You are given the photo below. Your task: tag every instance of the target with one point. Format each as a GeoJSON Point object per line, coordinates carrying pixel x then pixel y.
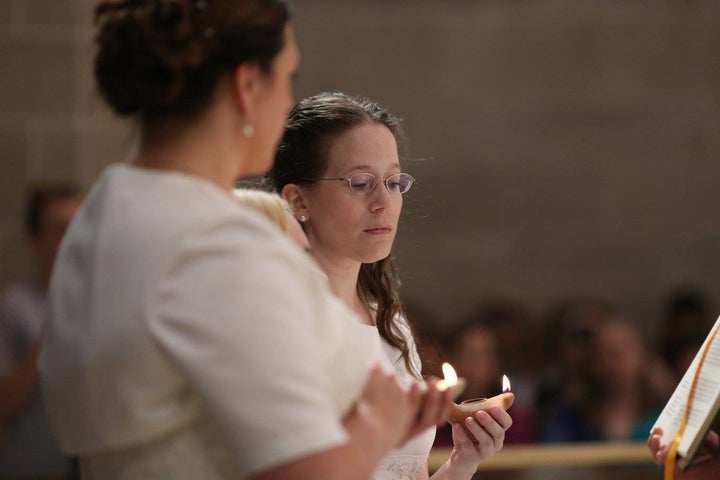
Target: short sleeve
{"type": "Point", "coordinates": [236, 312]}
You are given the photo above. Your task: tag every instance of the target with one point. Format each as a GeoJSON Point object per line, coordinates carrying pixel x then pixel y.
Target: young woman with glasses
{"type": "Point", "coordinates": [338, 167]}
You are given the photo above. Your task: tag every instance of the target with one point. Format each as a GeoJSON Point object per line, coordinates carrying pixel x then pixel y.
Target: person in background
{"type": "Point", "coordinates": [519, 357]}
{"type": "Point", "coordinates": [687, 320]}
{"type": "Point", "coordinates": [622, 394]}
{"type": "Point", "coordinates": [569, 332]}
{"type": "Point", "coordinates": [27, 446]}
{"type": "Point", "coordinates": [339, 168]}
{"type": "Point", "coordinates": [188, 338]}
{"type": "Point", "coordinates": [472, 349]}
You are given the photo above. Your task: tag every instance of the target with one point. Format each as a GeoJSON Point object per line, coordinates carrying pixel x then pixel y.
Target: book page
{"type": "Point", "coordinates": [705, 402]}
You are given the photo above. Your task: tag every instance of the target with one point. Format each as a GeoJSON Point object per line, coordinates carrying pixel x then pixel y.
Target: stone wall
{"type": "Point", "coordinates": [561, 147]}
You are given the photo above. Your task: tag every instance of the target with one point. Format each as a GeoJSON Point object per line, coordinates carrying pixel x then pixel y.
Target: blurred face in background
{"type": "Point", "coordinates": [476, 359]}
{"type": "Point", "coordinates": [618, 356]}
{"type": "Point", "coordinates": [54, 221]}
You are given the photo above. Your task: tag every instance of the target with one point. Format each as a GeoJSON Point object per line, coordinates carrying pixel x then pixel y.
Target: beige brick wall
{"type": "Point", "coordinates": [51, 124]}
{"type": "Point", "coordinates": [561, 147]}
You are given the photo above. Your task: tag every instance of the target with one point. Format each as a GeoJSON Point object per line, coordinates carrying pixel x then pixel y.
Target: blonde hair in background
{"type": "Point", "coordinates": [272, 205]}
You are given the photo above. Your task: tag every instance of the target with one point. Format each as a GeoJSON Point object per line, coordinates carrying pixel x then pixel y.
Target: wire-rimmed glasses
{"type": "Point", "coordinates": [365, 183]}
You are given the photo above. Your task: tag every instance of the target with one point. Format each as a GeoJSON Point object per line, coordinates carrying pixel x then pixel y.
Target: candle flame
{"type": "Point", "coordinates": [505, 384]}
{"type": "Point", "coordinates": [449, 374]}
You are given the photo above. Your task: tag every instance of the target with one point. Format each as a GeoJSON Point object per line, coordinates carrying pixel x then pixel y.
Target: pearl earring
{"type": "Point", "coordinates": [248, 130]}
{"type": "Point", "coordinates": [302, 218]}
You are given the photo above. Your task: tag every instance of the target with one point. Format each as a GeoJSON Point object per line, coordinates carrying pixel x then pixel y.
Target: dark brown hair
{"type": "Point", "coordinates": [301, 159]}
{"type": "Point", "coordinates": [158, 57]}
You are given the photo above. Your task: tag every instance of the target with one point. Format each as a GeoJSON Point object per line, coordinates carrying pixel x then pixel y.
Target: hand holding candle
{"type": "Point", "coordinates": [468, 408]}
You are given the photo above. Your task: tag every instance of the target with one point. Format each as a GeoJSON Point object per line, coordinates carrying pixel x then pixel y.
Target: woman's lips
{"type": "Point", "coordinates": [378, 230]}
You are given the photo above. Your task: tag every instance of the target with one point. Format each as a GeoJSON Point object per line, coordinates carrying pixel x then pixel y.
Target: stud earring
{"type": "Point", "coordinates": [302, 218]}
{"type": "Point", "coordinates": [248, 130]}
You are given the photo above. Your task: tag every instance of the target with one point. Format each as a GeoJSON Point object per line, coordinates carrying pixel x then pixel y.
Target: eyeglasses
{"type": "Point", "coordinates": [365, 183]}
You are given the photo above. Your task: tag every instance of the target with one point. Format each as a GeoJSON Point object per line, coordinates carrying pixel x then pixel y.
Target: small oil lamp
{"type": "Point", "coordinates": [468, 408]}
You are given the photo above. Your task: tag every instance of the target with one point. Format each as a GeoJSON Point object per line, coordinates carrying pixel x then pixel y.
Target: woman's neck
{"type": "Point", "coordinates": [210, 146]}
{"type": "Point", "coordinates": [343, 282]}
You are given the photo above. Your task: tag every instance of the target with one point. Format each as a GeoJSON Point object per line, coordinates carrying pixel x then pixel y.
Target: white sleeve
{"type": "Point", "coordinates": [235, 312]}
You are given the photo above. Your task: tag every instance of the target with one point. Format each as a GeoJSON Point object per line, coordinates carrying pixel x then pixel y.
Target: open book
{"type": "Point", "coordinates": [705, 404]}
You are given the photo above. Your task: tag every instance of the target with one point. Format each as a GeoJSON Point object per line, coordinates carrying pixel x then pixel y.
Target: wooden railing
{"type": "Point", "coordinates": [513, 457]}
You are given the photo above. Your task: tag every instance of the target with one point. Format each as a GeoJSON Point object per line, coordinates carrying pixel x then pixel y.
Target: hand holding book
{"type": "Point", "coordinates": [685, 421]}
{"type": "Point", "coordinates": [706, 464]}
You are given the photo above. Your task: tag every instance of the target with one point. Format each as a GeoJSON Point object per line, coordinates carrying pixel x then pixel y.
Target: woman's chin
{"type": "Point", "coordinates": [375, 257]}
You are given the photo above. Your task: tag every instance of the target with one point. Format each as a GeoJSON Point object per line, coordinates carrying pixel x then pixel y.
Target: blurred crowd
{"type": "Point", "coordinates": [582, 371]}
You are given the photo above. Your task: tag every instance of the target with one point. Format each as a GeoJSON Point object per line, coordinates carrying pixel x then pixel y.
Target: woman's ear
{"type": "Point", "coordinates": [293, 195]}
{"type": "Point", "coordinates": [245, 82]}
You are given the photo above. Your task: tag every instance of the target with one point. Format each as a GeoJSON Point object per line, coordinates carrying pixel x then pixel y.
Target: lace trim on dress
{"type": "Point", "coordinates": [400, 467]}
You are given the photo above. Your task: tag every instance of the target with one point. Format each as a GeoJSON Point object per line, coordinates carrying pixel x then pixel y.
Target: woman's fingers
{"type": "Point", "coordinates": [656, 448]}
{"type": "Point", "coordinates": [712, 441]}
{"type": "Point", "coordinates": [435, 407]}
{"type": "Point", "coordinates": [391, 406]}
{"type": "Point", "coordinates": [487, 429]}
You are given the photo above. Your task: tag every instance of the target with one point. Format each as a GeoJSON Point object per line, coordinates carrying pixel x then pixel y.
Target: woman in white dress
{"type": "Point", "coordinates": [338, 167]}
{"type": "Point", "coordinates": [188, 338]}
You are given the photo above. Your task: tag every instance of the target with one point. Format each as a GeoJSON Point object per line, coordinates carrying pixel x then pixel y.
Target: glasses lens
{"type": "Point", "coordinates": [400, 182]}
{"type": "Point", "coordinates": [362, 182]}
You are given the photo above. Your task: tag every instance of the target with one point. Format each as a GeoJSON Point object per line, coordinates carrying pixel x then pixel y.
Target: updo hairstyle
{"type": "Point", "coordinates": [158, 57]}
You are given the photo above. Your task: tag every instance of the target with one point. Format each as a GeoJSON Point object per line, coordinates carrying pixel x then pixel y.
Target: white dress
{"type": "Point", "coordinates": [188, 338]}
{"type": "Point", "coordinates": [410, 460]}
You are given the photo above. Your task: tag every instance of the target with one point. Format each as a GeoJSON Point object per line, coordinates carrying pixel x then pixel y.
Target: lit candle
{"type": "Point", "coordinates": [451, 381]}
{"type": "Point", "coordinates": [505, 384]}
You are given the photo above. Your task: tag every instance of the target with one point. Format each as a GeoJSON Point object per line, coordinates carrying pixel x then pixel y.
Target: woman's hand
{"type": "Point", "coordinates": [706, 464]}
{"type": "Point", "coordinates": [434, 410]}
{"type": "Point", "coordinates": [387, 407]}
{"type": "Point", "coordinates": [376, 423]}
{"type": "Point", "coordinates": [657, 449]}
{"type": "Point", "coordinates": [478, 439]}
